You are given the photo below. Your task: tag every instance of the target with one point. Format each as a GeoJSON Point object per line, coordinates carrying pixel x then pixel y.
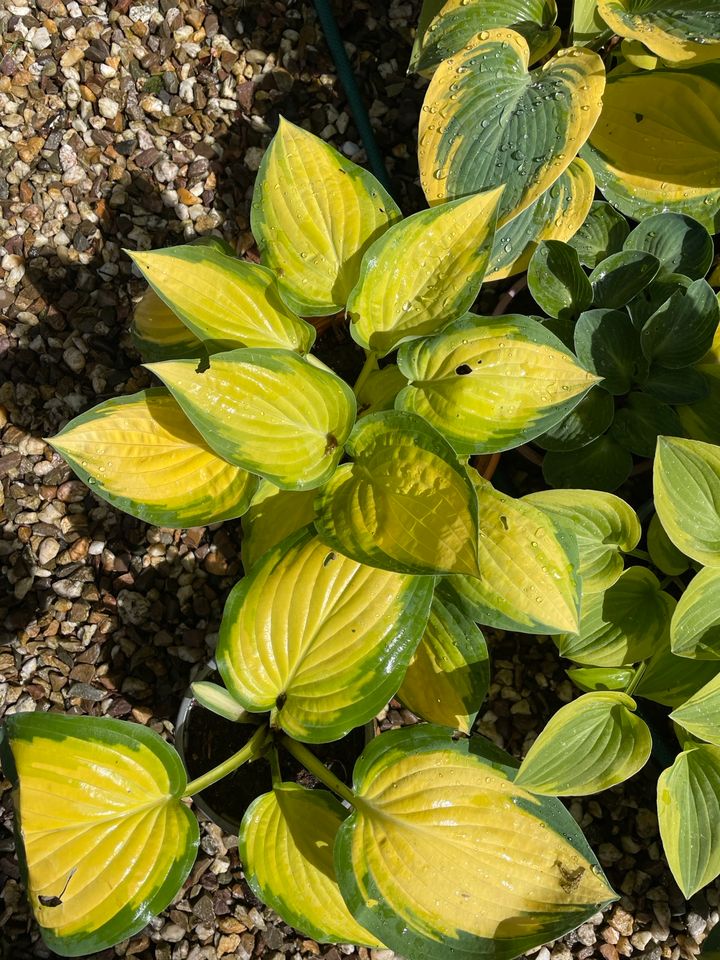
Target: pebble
{"type": "Point", "coordinates": [108, 108]}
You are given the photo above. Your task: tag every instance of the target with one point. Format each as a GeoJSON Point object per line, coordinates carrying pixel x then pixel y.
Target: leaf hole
{"type": "Point", "coordinates": [281, 701]}
{"type": "Point", "coordinates": [329, 558]}
{"type": "Point", "coordinates": [331, 443]}
{"type": "Point", "coordinates": [463, 370]}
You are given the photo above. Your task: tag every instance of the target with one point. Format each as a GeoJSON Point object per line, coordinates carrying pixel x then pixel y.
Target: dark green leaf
{"type": "Point", "coordinates": [681, 331]}
{"type": "Point", "coordinates": [557, 282]}
{"type": "Point", "coordinates": [621, 276]}
{"type": "Point", "coordinates": [590, 418]}
{"type": "Point", "coordinates": [601, 465]}
{"type": "Point", "coordinates": [602, 234]}
{"type": "Point", "coordinates": [607, 343]}
{"type": "Point", "coordinates": [683, 386]}
{"type": "Point", "coordinates": [638, 425]}
{"type": "Point", "coordinates": [644, 305]}
{"type": "Point", "coordinates": [681, 244]}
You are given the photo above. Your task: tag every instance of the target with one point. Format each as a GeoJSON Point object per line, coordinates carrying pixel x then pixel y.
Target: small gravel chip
{"type": "Point", "coordinates": [84, 691]}
{"type": "Point", "coordinates": [108, 108]}
{"type": "Point", "coordinates": [40, 39]}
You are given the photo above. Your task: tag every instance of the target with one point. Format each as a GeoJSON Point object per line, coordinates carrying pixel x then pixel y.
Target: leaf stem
{"type": "Point", "coordinates": [251, 751]}
{"type": "Point", "coordinates": [507, 298]}
{"type": "Point", "coordinates": [640, 554]}
{"type": "Point", "coordinates": [371, 365]}
{"type": "Point", "coordinates": [636, 679]}
{"type": "Point", "coordinates": [275, 765]}
{"type": "Point", "coordinates": [319, 770]}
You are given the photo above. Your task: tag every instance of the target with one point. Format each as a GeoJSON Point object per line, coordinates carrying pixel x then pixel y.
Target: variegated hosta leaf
{"type": "Point", "coordinates": [460, 21]}
{"type": "Point", "coordinates": [217, 700]}
{"type": "Point", "coordinates": [687, 496]}
{"type": "Point", "coordinates": [273, 514]}
{"type": "Point", "coordinates": [286, 845]}
{"type": "Point", "coordinates": [159, 334]}
{"type": "Point", "coordinates": [695, 628]}
{"type": "Point", "coordinates": [604, 525]}
{"type": "Point", "coordinates": [491, 383]}
{"type": "Point", "coordinates": [405, 504]}
{"type": "Point", "coordinates": [142, 455]}
{"type": "Point", "coordinates": [319, 639]}
{"type": "Point", "coordinates": [224, 301]}
{"type": "Point", "coordinates": [589, 745]}
{"type": "Point", "coordinates": [449, 674]}
{"type": "Point", "coordinates": [445, 857]}
{"type": "Point", "coordinates": [528, 568]}
{"type": "Point", "coordinates": [269, 411]}
{"type": "Point", "coordinates": [486, 121]}
{"type": "Point", "coordinates": [670, 680]}
{"type": "Point", "coordinates": [106, 842]}
{"type": "Point", "coordinates": [627, 623]}
{"type": "Point", "coordinates": [656, 145]}
{"type": "Point", "coordinates": [423, 272]}
{"type": "Point", "coordinates": [556, 215]}
{"type": "Point", "coordinates": [701, 713]}
{"type": "Point", "coordinates": [379, 390]}
{"type": "Point", "coordinates": [688, 796]}
{"type": "Point", "coordinates": [678, 31]}
{"type": "Point", "coordinates": [314, 214]}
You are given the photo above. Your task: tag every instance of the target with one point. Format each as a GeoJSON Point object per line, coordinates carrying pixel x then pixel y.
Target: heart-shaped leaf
{"type": "Point", "coordinates": [585, 423]}
{"type": "Point", "coordinates": [159, 334]}
{"type": "Point", "coordinates": [223, 301]}
{"type": "Point", "coordinates": [604, 525]}
{"type": "Point", "coordinates": [601, 465]}
{"type": "Point", "coordinates": [623, 625]}
{"type": "Point", "coordinates": [655, 146]}
{"type": "Point", "coordinates": [142, 454]}
{"type": "Point", "coordinates": [423, 273]}
{"type": "Point", "coordinates": [423, 796]}
{"type": "Point", "coordinates": [679, 31]}
{"type": "Point", "coordinates": [304, 607]}
{"type": "Point", "coordinates": [688, 797]}
{"type": "Point", "coordinates": [687, 494]}
{"type": "Point", "coordinates": [641, 421]}
{"type": "Point", "coordinates": [528, 568]}
{"type": "Point", "coordinates": [681, 244]}
{"type": "Point", "coordinates": [587, 746]}
{"type": "Point", "coordinates": [663, 552]}
{"type": "Point", "coordinates": [602, 233]}
{"type": "Point", "coordinates": [622, 276]}
{"type": "Point", "coordinates": [464, 382]}
{"type": "Point", "coordinates": [558, 283]}
{"type": "Point", "coordinates": [682, 330]}
{"type": "Point", "coordinates": [286, 845]}
{"type": "Point", "coordinates": [701, 713]}
{"type": "Point", "coordinates": [449, 674]}
{"type": "Point", "coordinates": [273, 514]}
{"type": "Point", "coordinates": [607, 343]}
{"type": "Point", "coordinates": [405, 504]}
{"type": "Point", "coordinates": [314, 214]}
{"type": "Point", "coordinates": [250, 404]}
{"type": "Point", "coordinates": [695, 628]}
{"type": "Point", "coordinates": [487, 121]}
{"type": "Point", "coordinates": [106, 842]}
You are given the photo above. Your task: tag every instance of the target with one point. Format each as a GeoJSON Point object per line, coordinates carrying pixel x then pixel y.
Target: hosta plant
{"type": "Point", "coordinates": [372, 548]}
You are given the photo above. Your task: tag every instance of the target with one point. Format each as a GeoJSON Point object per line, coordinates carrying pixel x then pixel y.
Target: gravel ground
{"type": "Point", "coordinates": [138, 125]}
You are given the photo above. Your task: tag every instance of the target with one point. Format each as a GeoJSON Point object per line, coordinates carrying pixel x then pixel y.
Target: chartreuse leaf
{"type": "Point", "coordinates": [585, 423]}
{"type": "Point", "coordinates": [625, 624]}
{"type": "Point", "coordinates": [217, 700]}
{"type": "Point", "coordinates": [273, 514]}
{"type": "Point", "coordinates": [405, 504]}
{"type": "Point", "coordinates": [459, 21]}
{"type": "Point", "coordinates": [591, 679]}
{"type": "Point", "coordinates": [587, 746]}
{"type": "Point", "coordinates": [682, 330]}
{"type": "Point", "coordinates": [621, 276]}
{"type": "Point", "coordinates": [269, 411]}
{"type": "Point", "coordinates": [558, 283]}
{"type": "Point", "coordinates": [607, 343]}
{"type": "Point", "coordinates": [319, 639]}
{"type": "Point", "coordinates": [142, 454]}
{"type": "Point", "coordinates": [159, 334]}
{"type": "Point", "coordinates": [695, 628]}
{"type": "Point", "coordinates": [449, 674]}
{"type": "Point", "coordinates": [223, 301]}
{"type": "Point", "coordinates": [423, 796]}
{"type": "Point", "coordinates": [687, 496]}
{"type": "Point", "coordinates": [464, 381]}
{"type": "Point", "coordinates": [679, 31]}
{"type": "Point", "coordinates": [655, 146]}
{"type": "Point", "coordinates": [487, 121]}
{"type": "Point", "coordinates": [663, 552]}
{"type": "Point", "coordinates": [700, 420]}
{"type": "Point", "coordinates": [701, 713]}
{"type": "Point", "coordinates": [556, 215]}
{"type": "Point", "coordinates": [423, 272]}
{"type": "Point", "coordinates": [600, 465]}
{"type": "Point", "coordinates": [670, 680]}
{"type": "Point", "coordinates": [641, 421]}
{"type": "Point", "coordinates": [378, 392]}
{"type": "Point", "coordinates": [314, 214]}
{"type": "Point", "coordinates": [286, 844]}
{"type": "Point", "coordinates": [106, 842]}
{"type": "Point", "coordinates": [689, 817]}
{"type": "Point", "coordinates": [681, 244]}
{"type": "Point", "coordinates": [528, 567]}
{"type": "Point", "coordinates": [604, 526]}
{"type": "Point", "coordinates": [587, 23]}
{"type": "Point", "coordinates": [602, 234]}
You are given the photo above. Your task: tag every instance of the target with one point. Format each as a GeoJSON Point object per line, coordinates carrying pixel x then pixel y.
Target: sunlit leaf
{"type": "Point", "coordinates": [159, 334]}
{"type": "Point", "coordinates": [319, 639]}
{"type": "Point", "coordinates": [587, 746]}
{"type": "Point", "coordinates": [472, 137]}
{"type": "Point", "coordinates": [273, 514]}
{"type": "Point", "coordinates": [591, 679]}
{"type": "Point", "coordinates": [679, 31]}
{"type": "Point", "coordinates": [701, 713]}
{"type": "Point", "coordinates": [106, 842]}
{"type": "Point", "coordinates": [424, 799]}
{"type": "Point", "coordinates": [602, 233]}
{"type": "Point", "coordinates": [269, 411]}
{"type": "Point", "coordinates": [695, 628]}
{"type": "Point", "coordinates": [217, 700]}
{"type": "Point", "coordinates": [142, 455]}
{"type": "Point", "coordinates": [378, 392]}
{"type": "Point", "coordinates": [423, 273]}
{"type": "Point", "coordinates": [622, 276]}
{"type": "Point", "coordinates": [681, 244]}
{"type": "Point", "coordinates": [587, 24]}
{"type": "Point", "coordinates": [670, 680]}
